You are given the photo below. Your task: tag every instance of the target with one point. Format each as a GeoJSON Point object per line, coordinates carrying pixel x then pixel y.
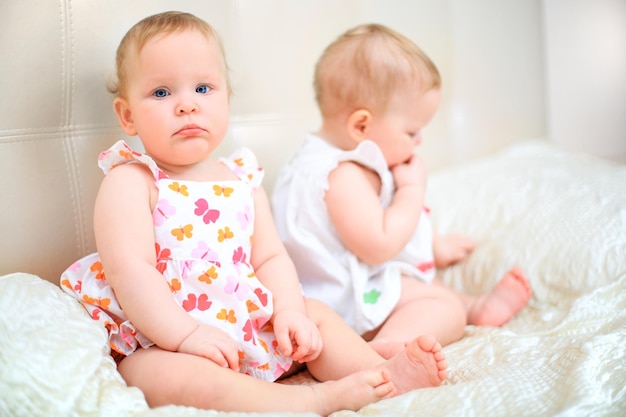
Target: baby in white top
{"type": "Point", "coordinates": [350, 205]}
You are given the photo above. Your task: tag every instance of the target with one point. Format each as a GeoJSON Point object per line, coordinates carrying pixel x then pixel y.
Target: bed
{"type": "Point", "coordinates": [495, 174]}
{"type": "Point", "coordinates": [559, 215]}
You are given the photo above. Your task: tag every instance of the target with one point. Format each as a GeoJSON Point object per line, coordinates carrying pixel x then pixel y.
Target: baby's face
{"type": "Point", "coordinates": [399, 130]}
{"type": "Point", "coordinates": [178, 98]}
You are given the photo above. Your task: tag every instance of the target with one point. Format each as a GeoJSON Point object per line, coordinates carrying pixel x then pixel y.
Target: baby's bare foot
{"type": "Point", "coordinates": [353, 391]}
{"type": "Point", "coordinates": [504, 301]}
{"type": "Point", "coordinates": [421, 364]}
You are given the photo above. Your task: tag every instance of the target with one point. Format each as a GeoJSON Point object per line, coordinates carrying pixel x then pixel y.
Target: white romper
{"type": "Point", "coordinates": [364, 295]}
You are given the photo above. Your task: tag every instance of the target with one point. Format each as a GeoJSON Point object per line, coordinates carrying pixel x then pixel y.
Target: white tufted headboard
{"type": "Point", "coordinates": [55, 114]}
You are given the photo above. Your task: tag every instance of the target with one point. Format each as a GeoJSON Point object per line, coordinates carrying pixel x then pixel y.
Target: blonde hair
{"type": "Point", "coordinates": [366, 65]}
{"type": "Point", "coordinates": [159, 24]}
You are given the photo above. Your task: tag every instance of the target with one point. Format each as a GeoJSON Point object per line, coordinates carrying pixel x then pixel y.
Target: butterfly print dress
{"type": "Point", "coordinates": [203, 233]}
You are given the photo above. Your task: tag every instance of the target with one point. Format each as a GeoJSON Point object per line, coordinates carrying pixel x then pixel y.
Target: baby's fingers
{"type": "Point", "coordinates": [232, 358]}
{"type": "Point", "coordinates": [284, 341]}
{"type": "Point", "coordinates": [223, 356]}
{"type": "Point", "coordinates": [214, 354]}
{"type": "Point", "coordinates": [303, 346]}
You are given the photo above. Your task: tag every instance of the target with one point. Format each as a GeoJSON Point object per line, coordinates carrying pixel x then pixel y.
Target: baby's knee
{"type": "Point", "coordinates": [458, 317]}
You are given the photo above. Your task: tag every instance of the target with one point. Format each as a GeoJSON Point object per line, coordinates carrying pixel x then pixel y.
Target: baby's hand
{"type": "Point", "coordinates": [297, 335]}
{"type": "Point", "coordinates": [450, 249]}
{"type": "Point", "coordinates": [411, 172]}
{"type": "Point", "coordinates": [214, 344]}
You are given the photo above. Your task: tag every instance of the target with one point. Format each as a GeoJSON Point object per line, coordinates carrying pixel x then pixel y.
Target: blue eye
{"type": "Point", "coordinates": [160, 93]}
{"type": "Point", "coordinates": [203, 89]}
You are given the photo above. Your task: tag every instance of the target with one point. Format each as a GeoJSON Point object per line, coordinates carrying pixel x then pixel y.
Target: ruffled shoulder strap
{"type": "Point", "coordinates": [368, 154]}
{"type": "Point", "coordinates": [120, 153]}
{"type": "Point", "coordinates": [244, 164]}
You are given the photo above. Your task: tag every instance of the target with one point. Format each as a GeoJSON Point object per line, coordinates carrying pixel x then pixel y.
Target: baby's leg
{"type": "Point", "coordinates": [177, 378]}
{"type": "Point", "coordinates": [502, 303]}
{"type": "Point", "coordinates": [418, 365]}
{"type": "Point", "coordinates": [423, 309]}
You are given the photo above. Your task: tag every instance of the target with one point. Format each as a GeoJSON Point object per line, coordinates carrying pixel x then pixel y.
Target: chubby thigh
{"type": "Point", "coordinates": [423, 309]}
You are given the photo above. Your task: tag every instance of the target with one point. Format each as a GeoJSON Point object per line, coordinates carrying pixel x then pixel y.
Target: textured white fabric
{"type": "Point", "coordinates": [362, 294]}
{"type": "Point", "coordinates": [561, 217]}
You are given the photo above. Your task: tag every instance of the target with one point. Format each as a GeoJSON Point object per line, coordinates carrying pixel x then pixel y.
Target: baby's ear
{"type": "Point", "coordinates": [124, 116]}
{"type": "Point", "coordinates": [358, 124]}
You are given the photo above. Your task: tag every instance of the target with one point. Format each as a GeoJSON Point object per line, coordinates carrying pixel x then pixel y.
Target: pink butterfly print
{"type": "Point", "coordinates": [132, 152]}
{"type": "Point", "coordinates": [203, 252]}
{"type": "Point", "coordinates": [262, 296]}
{"type": "Point", "coordinates": [95, 313]}
{"type": "Point", "coordinates": [162, 257]}
{"type": "Point", "coordinates": [208, 215]}
{"type": "Point", "coordinates": [201, 302]}
{"type": "Point", "coordinates": [74, 267]}
{"type": "Point", "coordinates": [238, 170]}
{"type": "Point", "coordinates": [244, 218]}
{"type": "Point", "coordinates": [249, 332]}
{"type": "Point", "coordinates": [426, 266]}
{"type": "Point", "coordinates": [162, 211]}
{"type": "Point", "coordinates": [281, 370]}
{"type": "Point", "coordinates": [185, 267]}
{"type": "Point", "coordinates": [239, 255]}
{"type": "Point", "coordinates": [104, 155]}
{"type": "Point", "coordinates": [233, 287]}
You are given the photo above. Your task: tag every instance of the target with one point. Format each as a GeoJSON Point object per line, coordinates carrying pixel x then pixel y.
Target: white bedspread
{"type": "Point", "coordinates": [561, 217]}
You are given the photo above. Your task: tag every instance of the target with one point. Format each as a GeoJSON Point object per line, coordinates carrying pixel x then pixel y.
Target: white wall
{"type": "Point", "coordinates": [490, 54]}
{"type": "Point", "coordinates": [586, 74]}
{"type": "Point", "coordinates": [56, 116]}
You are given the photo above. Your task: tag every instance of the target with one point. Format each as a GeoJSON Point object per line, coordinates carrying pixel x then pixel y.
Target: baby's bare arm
{"type": "Point", "coordinates": [124, 233]}
{"type": "Point", "coordinates": [296, 334]}
{"type": "Point", "coordinates": [374, 233]}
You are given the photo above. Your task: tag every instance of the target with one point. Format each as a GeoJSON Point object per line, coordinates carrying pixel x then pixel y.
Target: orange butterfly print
{"type": "Point", "coordinates": [225, 191]}
{"type": "Point", "coordinates": [181, 189]}
{"type": "Point", "coordinates": [66, 283]}
{"type": "Point", "coordinates": [125, 153]}
{"type": "Point", "coordinates": [239, 161]}
{"type": "Point", "coordinates": [100, 302]}
{"type": "Point", "coordinates": [208, 275]}
{"type": "Point", "coordinates": [98, 269]}
{"type": "Point", "coordinates": [251, 306]}
{"type": "Point", "coordinates": [228, 316]}
{"type": "Point", "coordinates": [224, 234]}
{"type": "Point", "coordinates": [181, 233]}
{"type": "Point", "coordinates": [175, 285]}
{"type": "Point", "coordinates": [264, 345]}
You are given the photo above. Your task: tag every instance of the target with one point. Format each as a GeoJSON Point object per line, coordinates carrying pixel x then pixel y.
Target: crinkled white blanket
{"type": "Point", "coordinates": [560, 216]}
